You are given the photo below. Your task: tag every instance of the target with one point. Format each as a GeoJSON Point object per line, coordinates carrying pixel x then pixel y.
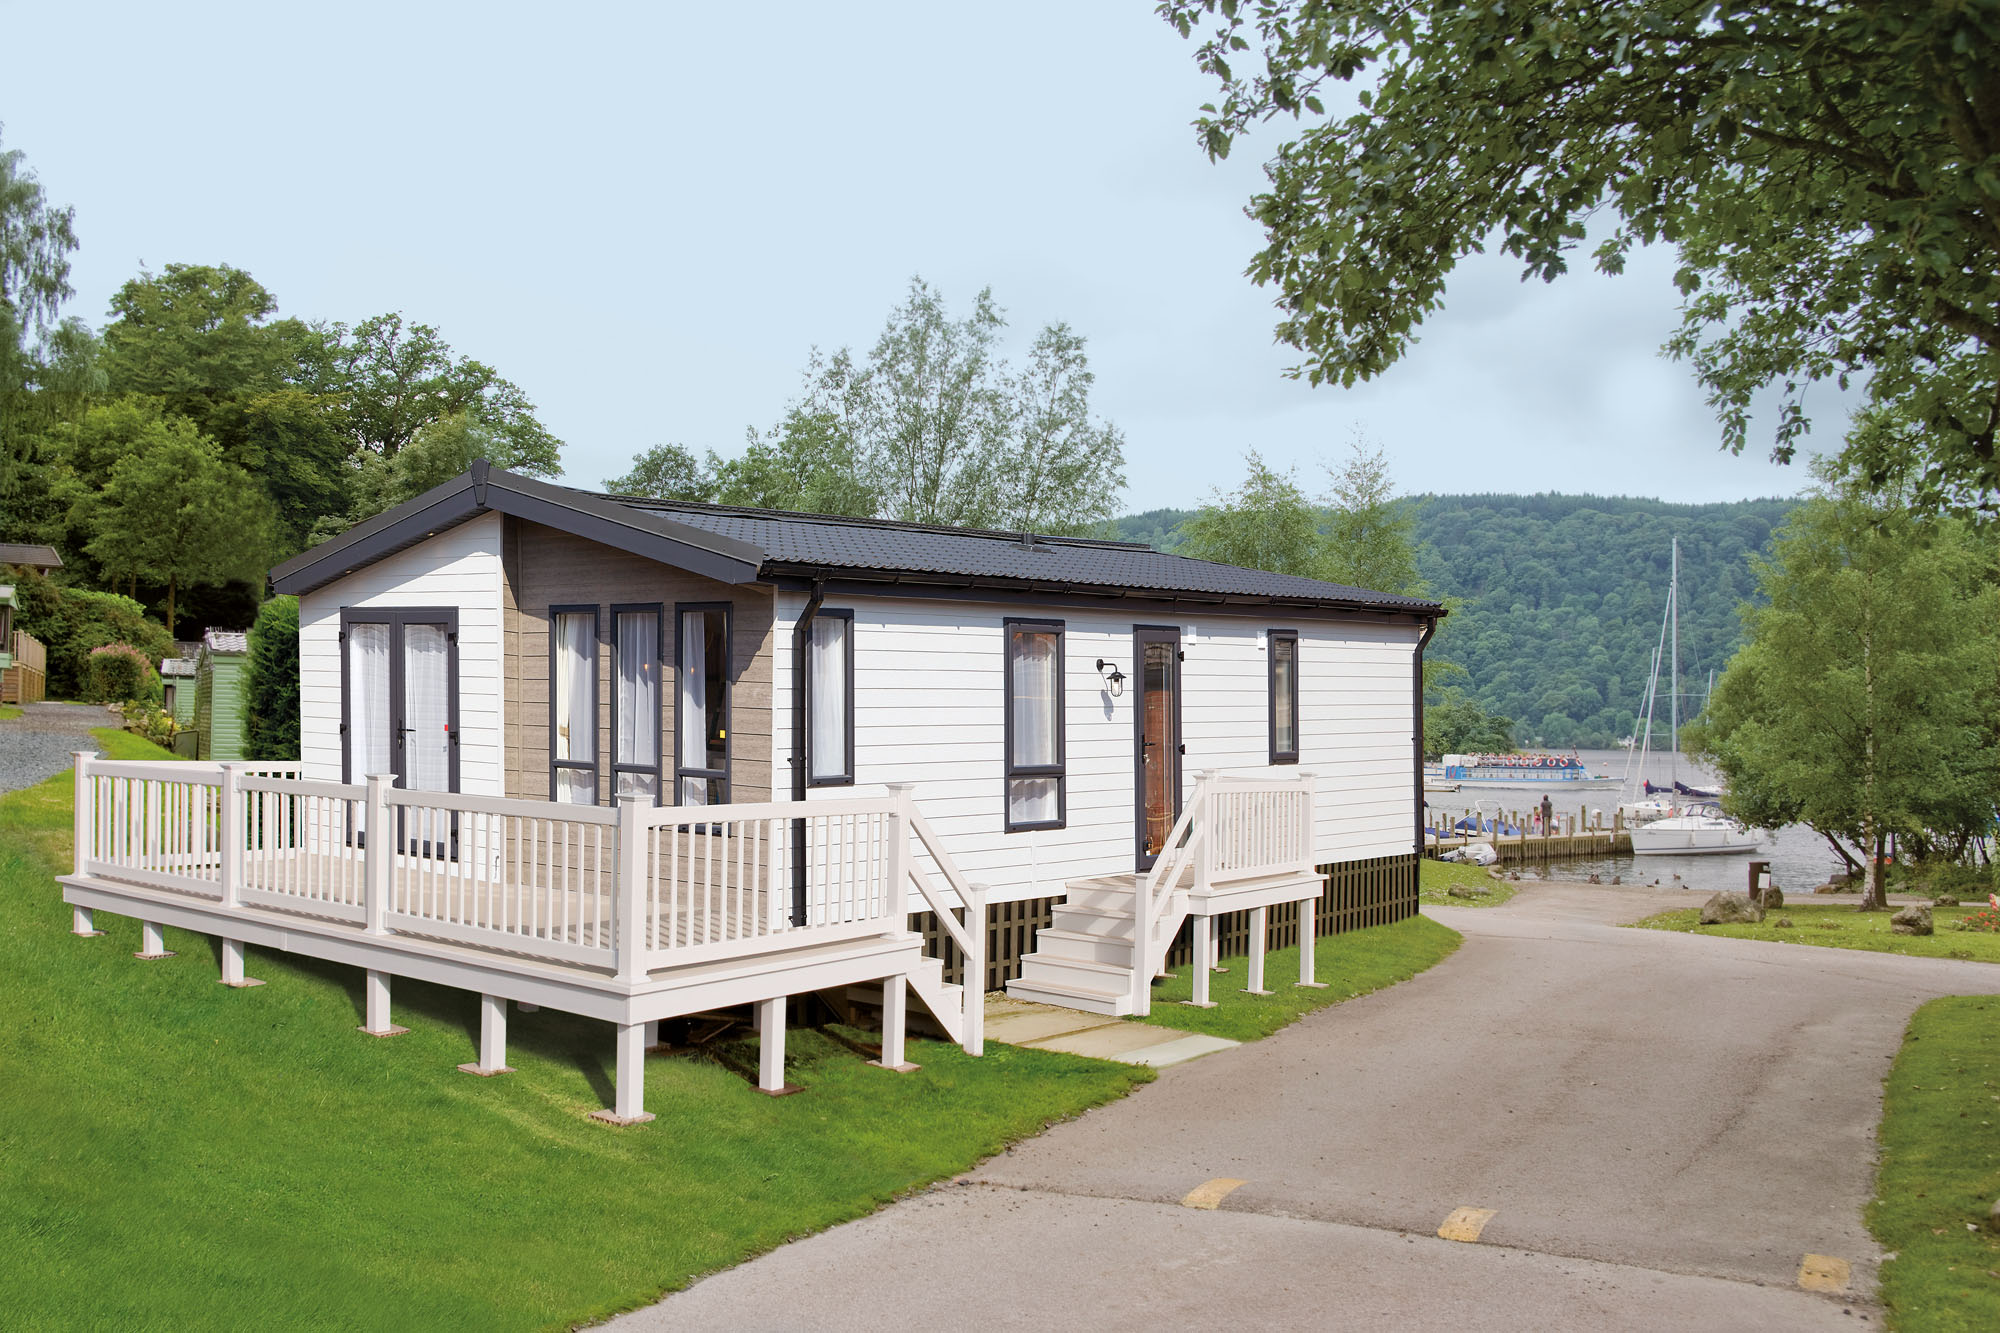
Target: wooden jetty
{"type": "Point", "coordinates": [1583, 836]}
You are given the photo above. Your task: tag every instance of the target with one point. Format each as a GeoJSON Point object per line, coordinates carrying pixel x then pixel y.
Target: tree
{"type": "Point", "coordinates": [806, 463]}
{"type": "Point", "coordinates": [439, 451]}
{"type": "Point", "coordinates": [176, 512]}
{"type": "Point", "coordinates": [46, 364]}
{"type": "Point", "coordinates": [1370, 539]}
{"type": "Point", "coordinates": [1456, 724]}
{"type": "Point", "coordinates": [394, 380]}
{"type": "Point", "coordinates": [1266, 523]}
{"type": "Point", "coordinates": [1829, 173]}
{"type": "Point", "coordinates": [1864, 703]}
{"type": "Point", "coordinates": [1063, 470]}
{"type": "Point", "coordinates": [271, 682]}
{"type": "Point", "coordinates": [665, 472]}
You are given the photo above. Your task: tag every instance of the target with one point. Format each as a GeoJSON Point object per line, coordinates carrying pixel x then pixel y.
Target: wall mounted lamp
{"type": "Point", "coordinates": [1114, 680]}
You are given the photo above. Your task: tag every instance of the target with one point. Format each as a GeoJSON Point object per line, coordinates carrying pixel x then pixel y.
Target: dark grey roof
{"type": "Point", "coordinates": [801, 543]}
{"type": "Point", "coordinates": [737, 545]}
{"type": "Point", "coordinates": [29, 555]}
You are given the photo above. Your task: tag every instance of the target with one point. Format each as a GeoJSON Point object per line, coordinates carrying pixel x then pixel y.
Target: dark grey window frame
{"type": "Point", "coordinates": [596, 640]}
{"type": "Point", "coordinates": [846, 777]}
{"type": "Point", "coordinates": [681, 770]}
{"type": "Point", "coordinates": [1271, 639]}
{"type": "Point", "coordinates": [658, 769]}
{"type": "Point", "coordinates": [1059, 770]}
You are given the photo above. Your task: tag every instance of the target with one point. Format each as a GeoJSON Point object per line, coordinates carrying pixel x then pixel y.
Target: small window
{"type": "Point", "coordinates": [1034, 724]}
{"type": "Point", "coordinates": [637, 649]}
{"type": "Point", "coordinates": [830, 699]}
{"type": "Point", "coordinates": [701, 702]}
{"type": "Point", "coordinates": [573, 705]}
{"type": "Point", "coordinates": [1284, 696]}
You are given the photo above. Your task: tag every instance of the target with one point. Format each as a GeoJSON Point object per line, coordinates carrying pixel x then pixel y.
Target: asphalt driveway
{"type": "Point", "coordinates": [1664, 1127]}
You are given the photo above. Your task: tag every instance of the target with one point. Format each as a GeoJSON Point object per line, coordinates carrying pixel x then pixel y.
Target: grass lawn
{"type": "Point", "coordinates": [179, 1155]}
{"type": "Point", "coordinates": [1940, 1169]}
{"type": "Point", "coordinates": [1435, 879]}
{"type": "Point", "coordinates": [1352, 964]}
{"type": "Point", "coordinates": [8, 712]}
{"type": "Point", "coordinates": [1839, 926]}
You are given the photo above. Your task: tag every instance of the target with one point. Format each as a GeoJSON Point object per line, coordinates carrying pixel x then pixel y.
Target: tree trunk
{"type": "Point", "coordinates": [170, 606]}
{"type": "Point", "coordinates": [1853, 866]}
{"type": "Point", "coordinates": [1876, 899]}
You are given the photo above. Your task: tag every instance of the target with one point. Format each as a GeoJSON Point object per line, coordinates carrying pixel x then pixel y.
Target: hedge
{"type": "Point", "coordinates": [271, 683]}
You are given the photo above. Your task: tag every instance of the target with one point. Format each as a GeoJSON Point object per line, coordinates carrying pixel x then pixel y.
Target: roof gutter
{"type": "Point", "coordinates": [801, 648]}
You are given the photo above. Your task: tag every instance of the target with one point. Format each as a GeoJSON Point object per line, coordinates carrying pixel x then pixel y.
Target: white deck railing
{"type": "Point", "coordinates": [1232, 831]}
{"type": "Point", "coordinates": [628, 890]}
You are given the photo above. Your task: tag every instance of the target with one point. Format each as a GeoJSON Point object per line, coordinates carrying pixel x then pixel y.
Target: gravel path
{"type": "Point", "coordinates": [39, 742]}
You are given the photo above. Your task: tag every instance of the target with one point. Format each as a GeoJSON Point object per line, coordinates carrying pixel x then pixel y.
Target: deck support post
{"type": "Point", "coordinates": [1204, 931]}
{"type": "Point", "coordinates": [895, 1020]}
{"type": "Point", "coordinates": [376, 865]}
{"type": "Point", "coordinates": [771, 1047]}
{"type": "Point", "coordinates": [1259, 926]}
{"type": "Point", "coordinates": [492, 1038]}
{"type": "Point", "coordinates": [81, 922]}
{"type": "Point", "coordinates": [1309, 941]}
{"type": "Point", "coordinates": [152, 942]}
{"type": "Point", "coordinates": [232, 966]}
{"type": "Point", "coordinates": [628, 1099]}
{"type": "Point", "coordinates": [630, 901]}
{"type": "Point", "coordinates": [377, 991]}
{"type": "Point", "coordinates": [975, 970]}
{"type": "Point", "coordinates": [652, 1034]}
{"type": "Point", "coordinates": [85, 815]}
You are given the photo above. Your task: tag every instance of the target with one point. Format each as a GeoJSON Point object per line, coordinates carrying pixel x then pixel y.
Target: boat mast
{"type": "Point", "coordinates": [1674, 681]}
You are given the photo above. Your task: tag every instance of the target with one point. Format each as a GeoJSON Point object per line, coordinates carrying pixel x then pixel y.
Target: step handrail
{"type": "Point", "coordinates": [970, 934]}
{"type": "Point", "coordinates": [1183, 842]}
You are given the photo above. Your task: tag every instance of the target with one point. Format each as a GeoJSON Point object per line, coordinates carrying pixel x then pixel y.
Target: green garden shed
{"type": "Point", "coordinates": [218, 694]}
{"type": "Point", "coordinates": [177, 683]}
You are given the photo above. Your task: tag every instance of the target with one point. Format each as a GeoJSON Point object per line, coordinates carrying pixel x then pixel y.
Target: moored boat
{"type": "Point", "coordinates": [1700, 831]}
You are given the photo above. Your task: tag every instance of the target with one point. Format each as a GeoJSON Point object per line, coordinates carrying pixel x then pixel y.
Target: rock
{"type": "Point", "coordinates": [1784, 923]}
{"type": "Point", "coordinates": [1993, 1216]}
{"type": "Point", "coordinates": [1945, 900]}
{"type": "Point", "coordinates": [1596, 879]}
{"type": "Point", "coordinates": [1772, 898]}
{"type": "Point", "coordinates": [1466, 891]}
{"type": "Point", "coordinates": [1617, 879]}
{"type": "Point", "coordinates": [1912, 920]}
{"type": "Point", "coordinates": [1728, 909]}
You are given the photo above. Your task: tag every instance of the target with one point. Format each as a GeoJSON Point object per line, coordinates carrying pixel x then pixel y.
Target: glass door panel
{"type": "Point", "coordinates": [1158, 786]}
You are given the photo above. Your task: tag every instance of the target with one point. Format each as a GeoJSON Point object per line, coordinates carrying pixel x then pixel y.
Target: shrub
{"type": "Point", "coordinates": [71, 622]}
{"type": "Point", "coordinates": [152, 722]}
{"type": "Point", "coordinates": [271, 683]}
{"type": "Point", "coordinates": [118, 672]}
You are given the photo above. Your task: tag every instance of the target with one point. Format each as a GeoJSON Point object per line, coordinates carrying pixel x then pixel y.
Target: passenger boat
{"type": "Point", "coordinates": [1516, 770]}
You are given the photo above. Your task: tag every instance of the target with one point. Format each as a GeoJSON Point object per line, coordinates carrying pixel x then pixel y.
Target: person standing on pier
{"type": "Point", "coordinates": [1548, 815]}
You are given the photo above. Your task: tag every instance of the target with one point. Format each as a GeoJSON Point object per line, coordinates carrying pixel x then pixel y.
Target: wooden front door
{"type": "Point", "coordinates": [1156, 724]}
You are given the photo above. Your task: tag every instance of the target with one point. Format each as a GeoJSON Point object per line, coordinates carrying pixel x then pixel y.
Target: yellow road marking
{"type": "Point", "coordinates": [1212, 1193]}
{"type": "Point", "coordinates": [1819, 1272]}
{"type": "Point", "coordinates": [1465, 1224]}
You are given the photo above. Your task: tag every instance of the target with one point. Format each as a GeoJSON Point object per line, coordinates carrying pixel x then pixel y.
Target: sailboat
{"type": "Point", "coordinates": [1659, 827]}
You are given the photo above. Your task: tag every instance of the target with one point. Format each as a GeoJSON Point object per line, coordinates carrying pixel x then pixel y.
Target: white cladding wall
{"type": "Point", "coordinates": [928, 710]}
{"type": "Point", "coordinates": [460, 568]}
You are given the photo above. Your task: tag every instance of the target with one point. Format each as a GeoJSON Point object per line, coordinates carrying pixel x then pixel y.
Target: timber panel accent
{"type": "Point", "coordinates": [545, 567]}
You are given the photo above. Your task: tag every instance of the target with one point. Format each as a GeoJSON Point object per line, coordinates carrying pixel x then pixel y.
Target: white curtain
{"type": "Point", "coordinates": [826, 698]}
{"type": "Point", "coordinates": [576, 730]}
{"type": "Point", "coordinates": [638, 739]}
{"type": "Point", "coordinates": [367, 704]}
{"type": "Point", "coordinates": [693, 704]}
{"type": "Point", "coordinates": [427, 708]}
{"type": "Point", "coordinates": [1034, 685]}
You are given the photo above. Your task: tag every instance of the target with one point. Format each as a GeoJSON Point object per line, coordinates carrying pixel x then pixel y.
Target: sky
{"type": "Point", "coordinates": [647, 216]}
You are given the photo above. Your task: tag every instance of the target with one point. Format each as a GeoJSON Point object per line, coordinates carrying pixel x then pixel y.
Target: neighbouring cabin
{"type": "Point", "coordinates": [634, 741]}
{"type": "Point", "coordinates": [217, 713]}
{"type": "Point", "coordinates": [177, 688]}
{"type": "Point", "coordinates": [24, 675]}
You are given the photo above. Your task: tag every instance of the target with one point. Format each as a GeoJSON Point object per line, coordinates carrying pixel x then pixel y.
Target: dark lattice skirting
{"type": "Point", "coordinates": [1358, 894]}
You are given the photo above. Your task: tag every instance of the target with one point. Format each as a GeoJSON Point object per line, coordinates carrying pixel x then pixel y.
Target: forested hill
{"type": "Point", "coordinates": [1559, 598]}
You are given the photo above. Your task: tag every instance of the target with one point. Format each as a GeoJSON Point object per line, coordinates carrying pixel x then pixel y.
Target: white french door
{"type": "Point", "coordinates": [399, 703]}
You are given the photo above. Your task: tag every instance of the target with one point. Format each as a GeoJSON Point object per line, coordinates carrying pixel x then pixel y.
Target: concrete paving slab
{"type": "Point", "coordinates": [1179, 1051]}
{"type": "Point", "coordinates": [1020, 1028]}
{"type": "Point", "coordinates": [1111, 1043]}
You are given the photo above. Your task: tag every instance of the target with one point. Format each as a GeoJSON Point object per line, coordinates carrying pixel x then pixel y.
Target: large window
{"type": "Point", "coordinates": [573, 704]}
{"type": "Point", "coordinates": [637, 648]}
{"type": "Point", "coordinates": [830, 699]}
{"type": "Point", "coordinates": [1035, 796]}
{"type": "Point", "coordinates": [1284, 696]}
{"type": "Point", "coordinates": [701, 704]}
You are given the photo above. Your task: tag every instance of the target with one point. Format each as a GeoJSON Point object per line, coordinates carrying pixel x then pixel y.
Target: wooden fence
{"type": "Point", "coordinates": [26, 681]}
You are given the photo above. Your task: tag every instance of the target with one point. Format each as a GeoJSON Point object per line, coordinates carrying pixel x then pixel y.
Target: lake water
{"type": "Point", "coordinates": [1799, 857]}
